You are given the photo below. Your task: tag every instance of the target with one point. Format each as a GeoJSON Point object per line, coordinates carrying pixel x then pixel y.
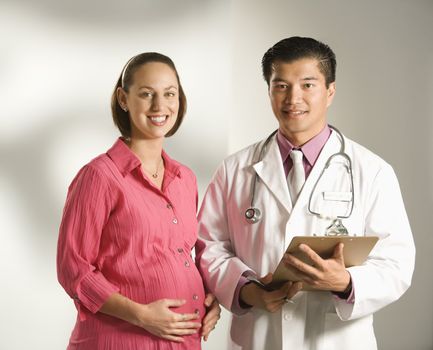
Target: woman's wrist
{"type": "Point", "coordinates": [123, 308]}
{"type": "Point", "coordinates": [140, 315]}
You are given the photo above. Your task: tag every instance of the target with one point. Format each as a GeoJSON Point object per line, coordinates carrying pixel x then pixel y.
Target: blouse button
{"type": "Point", "coordinates": [197, 311]}
{"type": "Point", "coordinates": [174, 221]}
{"type": "Point", "coordinates": [287, 316]}
{"type": "Point", "coordinates": [195, 297]}
{"type": "Point", "coordinates": [180, 250]}
{"type": "Point", "coordinates": [169, 206]}
{"type": "Point", "coordinates": [186, 264]}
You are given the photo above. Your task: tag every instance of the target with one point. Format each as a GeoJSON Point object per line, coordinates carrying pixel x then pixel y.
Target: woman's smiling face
{"type": "Point", "coordinates": [152, 101]}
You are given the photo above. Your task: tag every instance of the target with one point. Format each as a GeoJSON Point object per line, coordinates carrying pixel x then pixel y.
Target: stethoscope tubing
{"type": "Point", "coordinates": [253, 214]}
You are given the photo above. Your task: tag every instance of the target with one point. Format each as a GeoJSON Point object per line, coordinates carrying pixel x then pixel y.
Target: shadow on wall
{"type": "Point", "coordinates": [34, 163]}
{"type": "Point", "coordinates": [114, 13]}
{"type": "Point", "coordinates": [41, 165]}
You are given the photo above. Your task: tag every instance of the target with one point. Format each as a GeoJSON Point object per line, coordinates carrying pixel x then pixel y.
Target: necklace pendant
{"type": "Point", "coordinates": [154, 176]}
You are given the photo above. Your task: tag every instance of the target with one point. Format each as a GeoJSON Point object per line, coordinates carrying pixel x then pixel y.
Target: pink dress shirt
{"type": "Point", "coordinates": [119, 233]}
{"type": "Point", "coordinates": [311, 150]}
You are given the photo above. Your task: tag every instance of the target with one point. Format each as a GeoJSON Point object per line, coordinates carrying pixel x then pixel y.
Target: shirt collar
{"type": "Point", "coordinates": [310, 149]}
{"type": "Point", "coordinates": [172, 168]}
{"type": "Point", "coordinates": [126, 161]}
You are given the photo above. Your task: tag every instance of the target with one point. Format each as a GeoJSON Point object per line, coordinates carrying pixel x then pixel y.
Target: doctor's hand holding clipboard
{"type": "Point", "coordinates": [324, 274]}
{"type": "Point", "coordinates": [256, 294]}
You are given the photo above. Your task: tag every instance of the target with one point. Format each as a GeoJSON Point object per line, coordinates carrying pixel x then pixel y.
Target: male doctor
{"type": "Point", "coordinates": [338, 314]}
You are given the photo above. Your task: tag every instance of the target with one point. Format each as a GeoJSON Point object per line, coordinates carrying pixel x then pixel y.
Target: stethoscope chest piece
{"type": "Point", "coordinates": [253, 215]}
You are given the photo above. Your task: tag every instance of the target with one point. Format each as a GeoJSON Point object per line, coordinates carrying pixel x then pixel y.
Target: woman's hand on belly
{"type": "Point", "coordinates": [156, 317]}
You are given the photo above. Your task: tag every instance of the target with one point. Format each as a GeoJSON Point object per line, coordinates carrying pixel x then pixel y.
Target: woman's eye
{"type": "Point", "coordinates": [170, 94]}
{"type": "Point", "coordinates": [308, 85]}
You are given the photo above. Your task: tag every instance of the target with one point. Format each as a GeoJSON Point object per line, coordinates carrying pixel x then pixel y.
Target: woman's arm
{"type": "Point", "coordinates": [86, 212]}
{"type": "Point", "coordinates": [156, 317]}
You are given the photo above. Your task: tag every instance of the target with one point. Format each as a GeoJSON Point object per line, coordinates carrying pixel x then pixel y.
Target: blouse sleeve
{"type": "Point", "coordinates": [87, 208]}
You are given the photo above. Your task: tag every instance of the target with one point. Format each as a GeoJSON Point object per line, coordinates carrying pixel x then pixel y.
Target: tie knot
{"type": "Point", "coordinates": [296, 156]}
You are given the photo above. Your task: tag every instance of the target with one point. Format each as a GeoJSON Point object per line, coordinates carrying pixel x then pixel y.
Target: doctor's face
{"type": "Point", "coordinates": [300, 98]}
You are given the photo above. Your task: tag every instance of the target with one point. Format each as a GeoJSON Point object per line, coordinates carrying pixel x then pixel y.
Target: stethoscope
{"type": "Point", "coordinates": [254, 214]}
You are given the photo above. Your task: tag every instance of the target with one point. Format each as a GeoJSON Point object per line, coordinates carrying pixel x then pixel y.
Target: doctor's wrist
{"type": "Point", "coordinates": [242, 303]}
{"type": "Point", "coordinates": [245, 296]}
{"type": "Point", "coordinates": [346, 292]}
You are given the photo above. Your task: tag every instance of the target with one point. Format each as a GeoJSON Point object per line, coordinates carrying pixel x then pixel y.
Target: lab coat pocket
{"type": "Point", "coordinates": [240, 331]}
{"type": "Point", "coordinates": [354, 334]}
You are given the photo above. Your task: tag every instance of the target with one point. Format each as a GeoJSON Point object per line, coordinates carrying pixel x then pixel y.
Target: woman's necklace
{"type": "Point", "coordinates": [155, 174]}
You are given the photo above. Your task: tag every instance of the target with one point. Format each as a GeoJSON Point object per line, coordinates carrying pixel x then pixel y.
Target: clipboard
{"type": "Point", "coordinates": [355, 252]}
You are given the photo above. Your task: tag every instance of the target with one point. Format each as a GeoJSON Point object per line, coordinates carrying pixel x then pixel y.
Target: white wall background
{"type": "Point", "coordinates": [59, 62]}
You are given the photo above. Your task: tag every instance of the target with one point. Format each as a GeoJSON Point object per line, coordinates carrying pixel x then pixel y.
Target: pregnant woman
{"type": "Point", "coordinates": [129, 225]}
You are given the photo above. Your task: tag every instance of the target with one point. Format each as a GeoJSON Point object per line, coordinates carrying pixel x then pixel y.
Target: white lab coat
{"type": "Point", "coordinates": [229, 246]}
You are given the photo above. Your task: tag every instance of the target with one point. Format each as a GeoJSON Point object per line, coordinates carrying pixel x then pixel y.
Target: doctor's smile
{"type": "Point", "coordinates": [294, 113]}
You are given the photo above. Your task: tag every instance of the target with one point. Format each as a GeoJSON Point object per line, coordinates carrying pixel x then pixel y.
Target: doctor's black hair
{"type": "Point", "coordinates": [126, 79]}
{"type": "Point", "coordinates": [295, 48]}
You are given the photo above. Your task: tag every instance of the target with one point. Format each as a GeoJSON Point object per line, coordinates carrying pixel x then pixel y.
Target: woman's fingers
{"type": "Point", "coordinates": [174, 302]}
{"type": "Point", "coordinates": [181, 329]}
{"type": "Point", "coordinates": [186, 325]}
{"type": "Point", "coordinates": [186, 317]}
{"type": "Point", "coordinates": [173, 338]}
{"type": "Point", "coordinates": [210, 298]}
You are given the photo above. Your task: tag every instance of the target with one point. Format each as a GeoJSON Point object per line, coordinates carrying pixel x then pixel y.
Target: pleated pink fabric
{"type": "Point", "coordinates": [119, 233]}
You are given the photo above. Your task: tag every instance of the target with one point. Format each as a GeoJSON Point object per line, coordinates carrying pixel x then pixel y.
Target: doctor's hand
{"type": "Point", "coordinates": [255, 296]}
{"type": "Point", "coordinates": [213, 312]}
{"type": "Point", "coordinates": [325, 274]}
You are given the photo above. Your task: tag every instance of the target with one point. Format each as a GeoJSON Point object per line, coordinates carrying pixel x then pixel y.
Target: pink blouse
{"type": "Point", "coordinates": [119, 233]}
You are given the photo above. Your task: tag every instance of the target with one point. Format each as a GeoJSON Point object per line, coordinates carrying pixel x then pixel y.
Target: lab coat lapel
{"type": "Point", "coordinates": [332, 146]}
{"type": "Point", "coordinates": [271, 172]}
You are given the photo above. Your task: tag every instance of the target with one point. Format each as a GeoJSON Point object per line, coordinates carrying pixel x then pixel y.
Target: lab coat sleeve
{"type": "Point", "coordinates": [86, 212]}
{"type": "Point", "coordinates": [387, 273]}
{"type": "Point", "coordinates": [221, 269]}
